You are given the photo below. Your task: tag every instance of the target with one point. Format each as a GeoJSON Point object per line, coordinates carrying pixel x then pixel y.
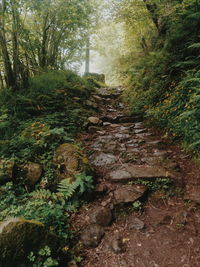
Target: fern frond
{"type": "Point", "coordinates": [42, 194]}
{"type": "Point", "coordinates": [66, 188]}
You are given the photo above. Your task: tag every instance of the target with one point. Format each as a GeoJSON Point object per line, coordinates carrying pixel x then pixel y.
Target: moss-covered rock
{"type": "Point", "coordinates": [17, 238]}
{"type": "Point", "coordinates": [69, 161]}
{"type": "Point", "coordinates": [33, 173]}
{"type": "Point", "coordinates": [6, 171]}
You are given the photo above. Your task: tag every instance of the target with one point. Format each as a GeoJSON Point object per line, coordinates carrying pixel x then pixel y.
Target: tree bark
{"type": "Point", "coordinates": [10, 82]}
{"type": "Point", "coordinates": [87, 56]}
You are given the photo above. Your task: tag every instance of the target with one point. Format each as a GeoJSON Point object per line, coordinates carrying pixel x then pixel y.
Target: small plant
{"type": "Point", "coordinates": [42, 258]}
{"type": "Point", "coordinates": [137, 205]}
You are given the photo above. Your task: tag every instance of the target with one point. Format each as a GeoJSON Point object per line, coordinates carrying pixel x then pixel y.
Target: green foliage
{"type": "Point", "coordinates": [50, 113]}
{"type": "Point", "coordinates": [164, 84]}
{"type": "Point", "coordinates": [33, 123]}
{"type": "Point", "coordinates": [137, 205]}
{"type": "Point", "coordinates": [50, 208]}
{"type": "Point", "coordinates": [41, 259]}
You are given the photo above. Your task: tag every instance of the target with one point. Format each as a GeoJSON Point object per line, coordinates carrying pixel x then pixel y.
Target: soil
{"type": "Point", "coordinates": [161, 227]}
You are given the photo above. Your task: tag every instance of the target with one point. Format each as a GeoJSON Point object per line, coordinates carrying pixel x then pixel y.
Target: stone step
{"type": "Point", "coordinates": [129, 193]}
{"type": "Point", "coordinates": [134, 172]}
{"type": "Point", "coordinates": [193, 194]}
{"type": "Point", "coordinates": [102, 159]}
{"type": "Point", "coordinates": [121, 119]}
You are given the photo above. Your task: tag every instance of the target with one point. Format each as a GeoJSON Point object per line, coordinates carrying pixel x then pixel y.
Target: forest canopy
{"type": "Point", "coordinates": [36, 35]}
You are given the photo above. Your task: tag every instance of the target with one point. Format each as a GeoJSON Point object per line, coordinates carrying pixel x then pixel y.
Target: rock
{"type": "Point", "coordinates": [6, 171]}
{"type": "Point", "coordinates": [193, 194]}
{"type": "Point", "coordinates": [110, 146]}
{"type": "Point", "coordinates": [110, 119]}
{"type": "Point", "coordinates": [102, 216]}
{"type": "Point", "coordinates": [126, 119]}
{"type": "Point", "coordinates": [163, 154]}
{"type": "Point", "coordinates": [107, 202]}
{"type": "Point", "coordinates": [138, 125]}
{"type": "Point", "coordinates": [135, 223]}
{"type": "Point", "coordinates": [101, 132]}
{"type": "Point", "coordinates": [119, 175]}
{"type": "Point", "coordinates": [92, 235]}
{"type": "Point", "coordinates": [155, 142]}
{"type": "Point", "coordinates": [69, 161]}
{"type": "Point", "coordinates": [94, 120]}
{"type": "Point", "coordinates": [93, 129]}
{"type": "Point", "coordinates": [122, 136]}
{"type": "Point", "coordinates": [72, 264]}
{"type": "Point", "coordinates": [97, 98]}
{"type": "Point", "coordinates": [106, 124]}
{"type": "Point", "coordinates": [153, 161]}
{"type": "Point", "coordinates": [129, 193]}
{"type": "Point", "coordinates": [34, 173]}
{"type": "Point", "coordinates": [139, 131]}
{"type": "Point", "coordinates": [132, 172]}
{"type": "Point", "coordinates": [91, 104]}
{"type": "Point", "coordinates": [101, 188]}
{"type": "Point", "coordinates": [17, 238]}
{"type": "Point", "coordinates": [117, 244]}
{"type": "Point", "coordinates": [104, 159]}
{"type": "Point", "coordinates": [148, 172]}
{"type": "Point", "coordinates": [114, 125]}
{"type": "Point", "coordinates": [111, 110]}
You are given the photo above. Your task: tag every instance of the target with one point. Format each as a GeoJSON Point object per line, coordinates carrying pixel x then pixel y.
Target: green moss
{"type": "Point", "coordinates": [17, 238]}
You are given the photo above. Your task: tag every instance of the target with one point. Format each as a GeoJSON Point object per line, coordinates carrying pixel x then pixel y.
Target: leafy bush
{"type": "Point", "coordinates": [33, 123]}
{"type": "Point", "coordinates": [164, 85]}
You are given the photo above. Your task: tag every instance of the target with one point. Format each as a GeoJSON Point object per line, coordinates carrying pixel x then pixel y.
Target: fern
{"type": "Point", "coordinates": [195, 45]}
{"type": "Point", "coordinates": [66, 188]}
{"type": "Point", "coordinates": [43, 194]}
{"type": "Point", "coordinates": [83, 182]}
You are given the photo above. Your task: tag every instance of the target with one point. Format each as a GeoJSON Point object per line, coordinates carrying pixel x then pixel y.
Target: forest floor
{"type": "Point", "coordinates": [145, 210]}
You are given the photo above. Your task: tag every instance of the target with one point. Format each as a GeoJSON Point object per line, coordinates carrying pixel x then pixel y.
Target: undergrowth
{"type": "Point", "coordinates": [34, 121]}
{"type": "Point", "coordinates": [164, 85]}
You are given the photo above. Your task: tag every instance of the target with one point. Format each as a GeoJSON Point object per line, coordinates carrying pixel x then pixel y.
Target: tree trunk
{"type": "Point", "coordinates": [159, 21]}
{"type": "Point", "coordinates": [10, 81]}
{"type": "Point", "coordinates": [16, 61]}
{"type": "Point", "coordinates": [87, 56]}
{"type": "Point", "coordinates": [1, 79]}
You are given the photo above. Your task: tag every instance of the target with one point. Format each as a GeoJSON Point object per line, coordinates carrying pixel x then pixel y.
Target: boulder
{"type": "Point", "coordinates": [17, 238]}
{"type": "Point", "coordinates": [94, 121]}
{"type": "Point", "coordinates": [34, 173]}
{"type": "Point", "coordinates": [92, 235]}
{"type": "Point", "coordinates": [102, 216]}
{"type": "Point", "coordinates": [6, 171]}
{"type": "Point", "coordinates": [69, 161]}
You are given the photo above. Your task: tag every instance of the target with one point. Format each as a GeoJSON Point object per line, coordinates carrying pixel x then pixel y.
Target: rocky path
{"type": "Point", "coordinates": [145, 210]}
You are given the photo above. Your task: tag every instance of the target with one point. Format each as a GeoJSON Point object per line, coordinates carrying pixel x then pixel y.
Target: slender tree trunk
{"type": "Point", "coordinates": [87, 56]}
{"type": "Point", "coordinates": [16, 61]}
{"type": "Point", "coordinates": [153, 10]}
{"type": "Point", "coordinates": [43, 52]}
{"type": "Point", "coordinates": [1, 79]}
{"type": "Point", "coordinates": [10, 82]}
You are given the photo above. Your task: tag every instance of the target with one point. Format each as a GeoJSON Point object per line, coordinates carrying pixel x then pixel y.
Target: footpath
{"type": "Point", "coordinates": [144, 212]}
